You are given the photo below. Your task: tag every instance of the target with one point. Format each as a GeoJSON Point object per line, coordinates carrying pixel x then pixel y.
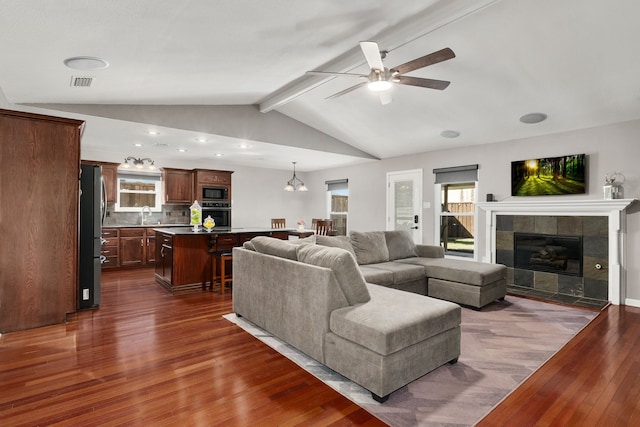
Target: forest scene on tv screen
{"type": "Point", "coordinates": [549, 176]}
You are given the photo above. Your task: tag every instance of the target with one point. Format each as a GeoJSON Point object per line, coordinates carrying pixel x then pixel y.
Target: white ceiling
{"type": "Point", "coordinates": [574, 60]}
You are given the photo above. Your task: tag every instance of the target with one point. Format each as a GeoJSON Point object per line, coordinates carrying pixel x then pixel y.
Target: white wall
{"type": "Point", "coordinates": [608, 148]}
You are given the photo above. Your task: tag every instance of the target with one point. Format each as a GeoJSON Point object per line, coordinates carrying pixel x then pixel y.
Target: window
{"type": "Point", "coordinates": [456, 190]}
{"type": "Point", "coordinates": [338, 204]}
{"type": "Point", "coordinates": [137, 191]}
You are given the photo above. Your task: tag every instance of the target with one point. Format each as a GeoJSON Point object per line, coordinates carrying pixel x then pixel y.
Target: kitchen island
{"type": "Point", "coordinates": [184, 257]}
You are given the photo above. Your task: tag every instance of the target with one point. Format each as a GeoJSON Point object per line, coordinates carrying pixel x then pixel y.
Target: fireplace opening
{"type": "Point", "coordinates": [550, 253]}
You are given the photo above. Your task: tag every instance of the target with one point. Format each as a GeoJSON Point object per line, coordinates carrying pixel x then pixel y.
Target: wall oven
{"type": "Point", "coordinates": [219, 211]}
{"type": "Point", "coordinates": [213, 194]}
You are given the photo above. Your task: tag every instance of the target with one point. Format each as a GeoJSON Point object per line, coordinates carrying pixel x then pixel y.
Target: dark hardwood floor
{"type": "Point", "coordinates": [149, 358]}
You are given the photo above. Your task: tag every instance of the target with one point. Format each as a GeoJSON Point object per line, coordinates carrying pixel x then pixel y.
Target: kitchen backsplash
{"type": "Point", "coordinates": [171, 214]}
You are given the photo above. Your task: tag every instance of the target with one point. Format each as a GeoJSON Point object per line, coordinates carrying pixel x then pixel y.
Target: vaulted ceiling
{"type": "Point", "coordinates": [233, 72]}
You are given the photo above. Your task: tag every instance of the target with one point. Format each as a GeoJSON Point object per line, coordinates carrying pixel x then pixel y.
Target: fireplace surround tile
{"type": "Point", "coordinates": [523, 223]}
{"type": "Point", "coordinates": [596, 289]}
{"type": "Point", "coordinates": [546, 225]}
{"type": "Point", "coordinates": [570, 285]}
{"type": "Point", "coordinates": [547, 282]}
{"type": "Point", "coordinates": [570, 225]}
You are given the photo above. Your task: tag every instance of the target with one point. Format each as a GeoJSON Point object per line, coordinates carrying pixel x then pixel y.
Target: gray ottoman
{"type": "Point", "coordinates": [470, 283]}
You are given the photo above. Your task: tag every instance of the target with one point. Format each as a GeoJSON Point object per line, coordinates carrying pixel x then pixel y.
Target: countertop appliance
{"type": "Point", "coordinates": [92, 210]}
{"type": "Point", "coordinates": [215, 194]}
{"type": "Point", "coordinates": [219, 211]}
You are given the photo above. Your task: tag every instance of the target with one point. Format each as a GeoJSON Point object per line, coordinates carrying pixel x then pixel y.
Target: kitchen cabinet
{"type": "Point", "coordinates": [178, 186]}
{"type": "Point", "coordinates": [39, 198]}
{"type": "Point", "coordinates": [150, 254]}
{"type": "Point", "coordinates": [110, 176]}
{"type": "Point", "coordinates": [132, 243]}
{"type": "Point", "coordinates": [210, 178]}
{"type": "Point", "coordinates": [183, 257]}
{"type": "Point", "coordinates": [164, 258]}
{"type": "Point", "coordinates": [126, 247]}
{"type": "Point", "coordinates": [110, 248]}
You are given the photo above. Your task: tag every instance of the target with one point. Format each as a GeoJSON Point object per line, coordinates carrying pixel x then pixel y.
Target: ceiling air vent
{"type": "Point", "coordinates": [81, 81]}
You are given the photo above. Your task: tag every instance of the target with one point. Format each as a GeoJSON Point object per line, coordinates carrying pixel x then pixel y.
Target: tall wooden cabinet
{"type": "Point", "coordinates": [39, 207]}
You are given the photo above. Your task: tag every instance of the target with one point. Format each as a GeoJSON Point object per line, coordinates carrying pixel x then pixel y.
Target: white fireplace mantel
{"type": "Point", "coordinates": [613, 209]}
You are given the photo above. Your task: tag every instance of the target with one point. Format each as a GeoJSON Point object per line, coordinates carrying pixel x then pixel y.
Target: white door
{"type": "Point", "coordinates": [404, 199]}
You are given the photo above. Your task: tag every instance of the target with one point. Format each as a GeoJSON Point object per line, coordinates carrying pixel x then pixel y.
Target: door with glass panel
{"type": "Point", "coordinates": [404, 198]}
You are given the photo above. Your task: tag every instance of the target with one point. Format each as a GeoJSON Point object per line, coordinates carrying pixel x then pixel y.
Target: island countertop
{"type": "Point", "coordinates": [188, 230]}
{"type": "Point", "coordinates": [187, 260]}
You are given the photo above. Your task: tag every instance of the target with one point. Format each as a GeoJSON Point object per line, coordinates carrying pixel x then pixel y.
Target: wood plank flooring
{"type": "Point", "coordinates": [149, 358]}
{"type": "Point", "coordinates": [593, 381]}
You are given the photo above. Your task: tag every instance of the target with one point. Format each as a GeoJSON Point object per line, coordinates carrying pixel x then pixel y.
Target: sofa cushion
{"type": "Point", "coordinates": [377, 276]}
{"type": "Point", "coordinates": [401, 272]}
{"type": "Point", "coordinates": [275, 247]}
{"type": "Point", "coordinates": [462, 271]}
{"type": "Point", "coordinates": [394, 320]}
{"type": "Point", "coordinates": [344, 267]}
{"type": "Point", "coordinates": [370, 247]}
{"type": "Point", "coordinates": [336, 242]}
{"type": "Point", "coordinates": [400, 244]}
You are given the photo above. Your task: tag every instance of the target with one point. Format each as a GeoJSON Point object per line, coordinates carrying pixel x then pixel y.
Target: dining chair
{"type": "Point", "coordinates": [278, 223]}
{"type": "Point", "coordinates": [324, 227]}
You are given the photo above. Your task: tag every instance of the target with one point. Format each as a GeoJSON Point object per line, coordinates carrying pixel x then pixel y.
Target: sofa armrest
{"type": "Point", "coordinates": [430, 251]}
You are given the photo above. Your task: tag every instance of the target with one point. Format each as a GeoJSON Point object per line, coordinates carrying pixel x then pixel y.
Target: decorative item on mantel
{"type": "Point", "coordinates": [613, 185]}
{"type": "Point", "coordinates": [295, 183]}
{"type": "Point", "coordinates": [209, 223]}
{"type": "Point", "coordinates": [196, 216]}
{"type": "Point", "coordinates": [301, 225]}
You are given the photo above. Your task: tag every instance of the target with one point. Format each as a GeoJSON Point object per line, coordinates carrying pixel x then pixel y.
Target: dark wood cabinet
{"type": "Point", "coordinates": [110, 248]}
{"type": "Point", "coordinates": [132, 245]}
{"type": "Point", "coordinates": [164, 258]}
{"type": "Point", "coordinates": [150, 250]}
{"type": "Point", "coordinates": [110, 177]}
{"type": "Point", "coordinates": [183, 260]}
{"type": "Point", "coordinates": [178, 186]}
{"type": "Point", "coordinates": [39, 199]}
{"type": "Point", "coordinates": [210, 178]}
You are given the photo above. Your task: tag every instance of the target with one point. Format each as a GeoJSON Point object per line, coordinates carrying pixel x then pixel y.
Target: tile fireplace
{"type": "Point", "coordinates": [600, 226]}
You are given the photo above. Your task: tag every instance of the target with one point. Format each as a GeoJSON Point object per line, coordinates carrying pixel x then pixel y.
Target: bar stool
{"type": "Point", "coordinates": [224, 276]}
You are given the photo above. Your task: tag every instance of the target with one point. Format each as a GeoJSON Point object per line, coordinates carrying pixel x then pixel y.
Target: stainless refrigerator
{"type": "Point", "coordinates": [92, 209]}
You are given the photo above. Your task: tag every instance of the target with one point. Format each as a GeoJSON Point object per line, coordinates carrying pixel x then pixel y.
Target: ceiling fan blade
{"type": "Point", "coordinates": [347, 90]}
{"type": "Point", "coordinates": [432, 58]}
{"type": "Point", "coordinates": [333, 73]}
{"type": "Point", "coordinates": [371, 53]}
{"type": "Point", "coordinates": [385, 97]}
{"type": "Point", "coordinates": [417, 81]}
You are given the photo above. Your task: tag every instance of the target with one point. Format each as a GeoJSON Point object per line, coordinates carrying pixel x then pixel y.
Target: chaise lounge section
{"type": "Point", "coordinates": [391, 259]}
{"type": "Point", "coordinates": [315, 298]}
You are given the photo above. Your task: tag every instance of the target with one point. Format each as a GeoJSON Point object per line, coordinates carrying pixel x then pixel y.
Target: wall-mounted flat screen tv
{"type": "Point", "coordinates": [549, 176]}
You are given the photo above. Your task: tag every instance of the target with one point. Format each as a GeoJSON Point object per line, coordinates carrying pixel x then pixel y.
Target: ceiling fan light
{"type": "Point", "coordinates": [379, 85]}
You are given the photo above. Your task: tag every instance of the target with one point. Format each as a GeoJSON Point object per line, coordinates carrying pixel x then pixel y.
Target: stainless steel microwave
{"type": "Point", "coordinates": [215, 193]}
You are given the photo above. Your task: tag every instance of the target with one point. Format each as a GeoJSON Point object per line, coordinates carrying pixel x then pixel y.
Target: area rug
{"type": "Point", "coordinates": [501, 346]}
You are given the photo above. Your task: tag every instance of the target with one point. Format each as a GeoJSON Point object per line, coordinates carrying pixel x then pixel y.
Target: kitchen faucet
{"type": "Point", "coordinates": [144, 208]}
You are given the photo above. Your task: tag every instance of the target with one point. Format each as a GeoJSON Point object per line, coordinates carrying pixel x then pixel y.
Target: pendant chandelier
{"type": "Point", "coordinates": [295, 183]}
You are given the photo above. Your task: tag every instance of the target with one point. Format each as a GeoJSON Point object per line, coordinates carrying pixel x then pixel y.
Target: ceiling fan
{"type": "Point", "coordinates": [380, 78]}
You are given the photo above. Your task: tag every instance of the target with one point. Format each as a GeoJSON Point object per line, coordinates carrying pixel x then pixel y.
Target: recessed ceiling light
{"type": "Point", "coordinates": [153, 132]}
{"type": "Point", "coordinates": [182, 150]}
{"type": "Point", "coordinates": [533, 118]}
{"type": "Point", "coordinates": [137, 144]}
{"type": "Point", "coordinates": [219, 154]}
{"type": "Point", "coordinates": [201, 139]}
{"type": "Point", "coordinates": [449, 134]}
{"type": "Point", "coordinates": [85, 63]}
{"type": "Point", "coordinates": [243, 145]}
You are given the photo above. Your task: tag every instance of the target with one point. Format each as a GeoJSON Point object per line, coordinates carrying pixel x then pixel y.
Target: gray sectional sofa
{"type": "Point", "coordinates": [391, 259]}
{"type": "Point", "coordinates": [319, 295]}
